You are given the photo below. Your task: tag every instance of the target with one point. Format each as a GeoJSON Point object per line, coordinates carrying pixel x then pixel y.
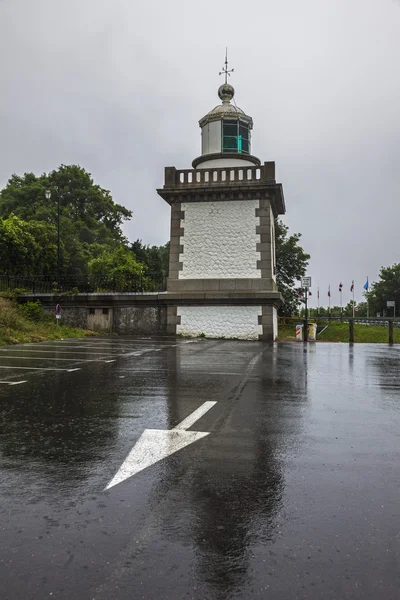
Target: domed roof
{"type": "Point", "coordinates": [226, 110]}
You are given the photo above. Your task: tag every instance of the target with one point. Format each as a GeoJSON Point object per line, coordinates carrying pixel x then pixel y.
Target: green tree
{"type": "Point", "coordinates": [362, 310]}
{"type": "Point", "coordinates": [291, 265]}
{"type": "Point", "coordinates": [155, 258]}
{"type": "Point", "coordinates": [118, 265]}
{"type": "Point", "coordinates": [27, 248]}
{"type": "Point", "coordinates": [89, 217]}
{"type": "Point", "coordinates": [387, 288]}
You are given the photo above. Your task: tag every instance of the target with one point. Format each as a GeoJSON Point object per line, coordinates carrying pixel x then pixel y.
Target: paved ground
{"type": "Point", "coordinates": [293, 494]}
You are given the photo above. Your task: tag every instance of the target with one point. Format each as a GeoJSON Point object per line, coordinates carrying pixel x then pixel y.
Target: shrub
{"type": "Point", "coordinates": [31, 310]}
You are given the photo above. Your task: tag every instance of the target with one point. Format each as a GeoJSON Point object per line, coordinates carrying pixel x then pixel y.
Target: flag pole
{"type": "Point", "coordinates": [329, 311]}
{"type": "Point", "coordinates": [318, 303]}
{"type": "Point", "coordinates": [341, 304]}
{"type": "Point", "coordinates": [353, 298]}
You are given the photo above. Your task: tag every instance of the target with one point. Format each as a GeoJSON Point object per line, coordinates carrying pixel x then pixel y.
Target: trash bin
{"type": "Point", "coordinates": [312, 332]}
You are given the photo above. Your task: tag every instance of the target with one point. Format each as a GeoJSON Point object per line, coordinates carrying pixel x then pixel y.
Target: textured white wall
{"type": "Point", "coordinates": [239, 322]}
{"type": "Point", "coordinates": [220, 240]}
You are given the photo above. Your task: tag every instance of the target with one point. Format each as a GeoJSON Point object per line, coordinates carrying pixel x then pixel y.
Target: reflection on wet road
{"type": "Point", "coordinates": [292, 494]}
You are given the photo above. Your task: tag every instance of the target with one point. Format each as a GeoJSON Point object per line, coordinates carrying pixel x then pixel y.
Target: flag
{"type": "Point", "coordinates": [340, 287]}
{"type": "Point", "coordinates": [309, 293]}
{"type": "Point", "coordinates": [366, 285]}
{"type": "Point", "coordinates": [352, 286]}
{"type": "Point", "coordinates": [318, 294]}
{"type": "Point", "coordinates": [329, 291]}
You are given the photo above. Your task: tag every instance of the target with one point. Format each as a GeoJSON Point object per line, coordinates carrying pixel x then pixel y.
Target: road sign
{"type": "Point", "coordinates": [306, 282]}
{"type": "Point", "coordinates": [58, 316]}
{"type": "Point", "coordinates": [390, 303]}
{"type": "Point", "coordinates": [356, 308]}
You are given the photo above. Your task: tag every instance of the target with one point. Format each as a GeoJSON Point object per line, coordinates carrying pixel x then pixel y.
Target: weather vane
{"type": "Point", "coordinates": [225, 68]}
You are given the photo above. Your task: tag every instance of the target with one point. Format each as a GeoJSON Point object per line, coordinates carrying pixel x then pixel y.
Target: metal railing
{"type": "Point", "coordinates": [48, 284]}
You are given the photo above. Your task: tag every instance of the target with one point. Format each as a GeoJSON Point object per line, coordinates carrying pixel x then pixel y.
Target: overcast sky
{"type": "Point", "coordinates": [118, 86]}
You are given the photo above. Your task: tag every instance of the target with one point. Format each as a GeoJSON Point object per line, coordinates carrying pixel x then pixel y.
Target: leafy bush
{"type": "Point", "coordinates": [32, 310]}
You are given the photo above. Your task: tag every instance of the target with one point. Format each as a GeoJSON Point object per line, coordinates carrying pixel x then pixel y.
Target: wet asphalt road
{"type": "Point", "coordinates": [293, 494]}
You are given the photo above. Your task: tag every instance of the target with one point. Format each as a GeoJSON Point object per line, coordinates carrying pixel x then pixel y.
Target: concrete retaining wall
{"type": "Point", "coordinates": [146, 320]}
{"type": "Point", "coordinates": [245, 315]}
{"type": "Point", "coordinates": [128, 320]}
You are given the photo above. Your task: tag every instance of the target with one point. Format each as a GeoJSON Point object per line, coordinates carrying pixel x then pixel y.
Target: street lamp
{"type": "Point", "coordinates": [47, 194]}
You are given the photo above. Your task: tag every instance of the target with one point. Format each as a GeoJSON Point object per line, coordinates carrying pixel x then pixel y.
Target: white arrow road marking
{"type": "Point", "coordinates": [156, 444]}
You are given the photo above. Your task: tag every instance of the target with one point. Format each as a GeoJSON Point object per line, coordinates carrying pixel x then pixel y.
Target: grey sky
{"type": "Point", "coordinates": [118, 86]}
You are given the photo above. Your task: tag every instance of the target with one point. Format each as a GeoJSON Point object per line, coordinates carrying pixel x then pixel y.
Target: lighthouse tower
{"type": "Point", "coordinates": [222, 275]}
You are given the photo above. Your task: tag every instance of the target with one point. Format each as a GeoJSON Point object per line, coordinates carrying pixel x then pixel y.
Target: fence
{"type": "Point", "coordinates": [390, 323]}
{"type": "Point", "coordinates": [48, 284]}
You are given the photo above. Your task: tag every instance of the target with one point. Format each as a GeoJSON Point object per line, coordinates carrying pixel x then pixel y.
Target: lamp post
{"type": "Point", "coordinates": [48, 196]}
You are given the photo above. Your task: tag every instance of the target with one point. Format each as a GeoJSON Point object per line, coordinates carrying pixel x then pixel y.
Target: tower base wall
{"type": "Point", "coordinates": [232, 322]}
{"type": "Point", "coordinates": [243, 322]}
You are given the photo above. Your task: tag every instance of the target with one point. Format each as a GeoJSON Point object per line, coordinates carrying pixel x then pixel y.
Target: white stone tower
{"type": "Point", "coordinates": [222, 276]}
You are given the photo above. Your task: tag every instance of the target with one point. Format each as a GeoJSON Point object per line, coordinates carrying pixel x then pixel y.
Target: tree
{"type": "Point", "coordinates": [89, 217]}
{"type": "Point", "coordinates": [155, 258]}
{"type": "Point", "coordinates": [387, 288]}
{"type": "Point", "coordinates": [362, 310]}
{"type": "Point", "coordinates": [27, 248]}
{"type": "Point", "coordinates": [120, 266]}
{"type": "Point", "coordinates": [291, 265]}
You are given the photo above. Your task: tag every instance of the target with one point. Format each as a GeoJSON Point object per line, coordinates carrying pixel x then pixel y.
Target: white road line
{"type": "Point", "coordinates": [155, 445]}
{"type": "Point", "coordinates": [127, 342]}
{"type": "Point", "coordinates": [56, 350]}
{"type": "Point", "coordinates": [41, 358]}
{"type": "Point", "coordinates": [71, 370]}
{"type": "Point", "coordinates": [36, 368]}
{"type": "Point", "coordinates": [12, 382]}
{"type": "Point", "coordinates": [195, 416]}
{"type": "Point", "coordinates": [109, 361]}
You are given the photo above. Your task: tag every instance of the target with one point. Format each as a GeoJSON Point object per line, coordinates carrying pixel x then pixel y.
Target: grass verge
{"type": "Point", "coordinates": [339, 332]}
{"type": "Point", "coordinates": [19, 326]}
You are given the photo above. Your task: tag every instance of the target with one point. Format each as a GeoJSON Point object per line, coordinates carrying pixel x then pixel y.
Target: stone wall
{"type": "Point", "coordinates": [75, 316]}
{"type": "Point", "coordinates": [239, 315]}
{"type": "Point", "coordinates": [141, 320]}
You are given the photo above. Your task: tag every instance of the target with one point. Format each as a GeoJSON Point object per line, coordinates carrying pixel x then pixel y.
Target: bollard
{"type": "Point", "coordinates": [351, 331]}
{"type": "Point", "coordinates": [390, 331]}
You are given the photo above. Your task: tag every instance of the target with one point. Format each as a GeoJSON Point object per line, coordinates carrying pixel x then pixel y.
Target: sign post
{"type": "Point", "coordinates": [306, 283]}
{"type": "Point", "coordinates": [58, 314]}
{"type": "Point", "coordinates": [391, 304]}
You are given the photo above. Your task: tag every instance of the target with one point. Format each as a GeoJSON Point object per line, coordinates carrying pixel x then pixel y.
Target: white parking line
{"type": "Point", "coordinates": [38, 368]}
{"type": "Point", "coordinates": [56, 350]}
{"type": "Point", "coordinates": [41, 358]}
{"type": "Point", "coordinates": [12, 382]}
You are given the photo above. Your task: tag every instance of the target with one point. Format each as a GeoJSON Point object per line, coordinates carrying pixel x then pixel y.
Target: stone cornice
{"type": "Point", "coordinates": [261, 191]}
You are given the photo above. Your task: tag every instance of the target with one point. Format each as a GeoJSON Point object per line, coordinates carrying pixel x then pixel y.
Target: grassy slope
{"type": "Point", "coordinates": [15, 328]}
{"type": "Point", "coordinates": [339, 332]}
